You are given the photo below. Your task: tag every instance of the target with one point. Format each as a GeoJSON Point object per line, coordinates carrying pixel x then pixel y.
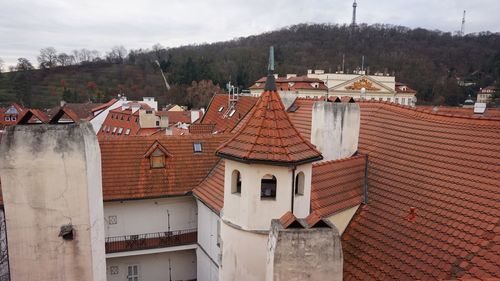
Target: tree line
{"type": "Point", "coordinates": [437, 64]}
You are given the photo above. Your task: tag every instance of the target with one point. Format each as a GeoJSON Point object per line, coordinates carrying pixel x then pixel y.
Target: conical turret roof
{"type": "Point", "coordinates": [269, 136]}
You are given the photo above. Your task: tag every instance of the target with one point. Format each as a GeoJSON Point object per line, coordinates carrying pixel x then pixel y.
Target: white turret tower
{"type": "Point", "coordinates": [268, 167]}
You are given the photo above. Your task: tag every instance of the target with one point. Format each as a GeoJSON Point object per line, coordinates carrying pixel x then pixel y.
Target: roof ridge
{"type": "Point", "coordinates": [346, 159]}
{"type": "Point", "coordinates": [432, 115]}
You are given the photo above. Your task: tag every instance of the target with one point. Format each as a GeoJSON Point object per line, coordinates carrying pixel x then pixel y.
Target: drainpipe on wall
{"type": "Point", "coordinates": [365, 185]}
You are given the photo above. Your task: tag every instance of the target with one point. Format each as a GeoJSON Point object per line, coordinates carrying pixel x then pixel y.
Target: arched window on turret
{"type": "Point", "coordinates": [236, 182]}
{"type": "Point", "coordinates": [299, 183]}
{"type": "Point", "coordinates": [268, 187]}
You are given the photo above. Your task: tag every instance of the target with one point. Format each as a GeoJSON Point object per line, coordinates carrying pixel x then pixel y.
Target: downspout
{"type": "Point", "coordinates": [293, 188]}
{"type": "Point", "coordinates": [365, 184]}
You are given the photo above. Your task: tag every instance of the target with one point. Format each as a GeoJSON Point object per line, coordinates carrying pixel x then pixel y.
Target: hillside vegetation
{"type": "Point", "coordinates": [429, 61]}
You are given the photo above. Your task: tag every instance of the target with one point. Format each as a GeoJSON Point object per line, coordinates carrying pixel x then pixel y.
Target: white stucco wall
{"type": "Point", "coordinates": [207, 231]}
{"type": "Point", "coordinates": [244, 255]}
{"type": "Point", "coordinates": [155, 267]}
{"type": "Point", "coordinates": [206, 270]}
{"type": "Point", "coordinates": [341, 219]}
{"type": "Point", "coordinates": [248, 210]}
{"type": "Point", "coordinates": [99, 118]}
{"type": "Point", "coordinates": [50, 175]}
{"type": "Point", "coordinates": [335, 129]}
{"type": "Point", "coordinates": [150, 216]}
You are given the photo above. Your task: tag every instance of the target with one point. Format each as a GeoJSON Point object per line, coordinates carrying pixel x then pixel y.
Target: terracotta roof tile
{"type": "Point", "coordinates": [219, 115]}
{"type": "Point", "coordinates": [175, 117]}
{"type": "Point", "coordinates": [337, 185]}
{"type": "Point", "coordinates": [211, 189]}
{"type": "Point", "coordinates": [292, 83]}
{"type": "Point", "coordinates": [197, 128]}
{"type": "Point", "coordinates": [127, 174]}
{"type": "Point", "coordinates": [446, 167]}
{"type": "Point", "coordinates": [269, 136]}
{"type": "Point", "coordinates": [81, 110]}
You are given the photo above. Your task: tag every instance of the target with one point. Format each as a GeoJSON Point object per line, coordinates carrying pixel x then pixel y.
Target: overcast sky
{"type": "Point", "coordinates": [26, 26]}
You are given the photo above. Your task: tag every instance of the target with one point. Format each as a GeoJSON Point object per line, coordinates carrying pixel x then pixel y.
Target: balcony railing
{"type": "Point", "coordinates": [150, 240]}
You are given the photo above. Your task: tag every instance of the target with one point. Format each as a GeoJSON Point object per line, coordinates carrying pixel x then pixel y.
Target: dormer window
{"type": "Point", "coordinates": [157, 154]}
{"type": "Point", "coordinates": [7, 118]}
{"type": "Point", "coordinates": [157, 159]}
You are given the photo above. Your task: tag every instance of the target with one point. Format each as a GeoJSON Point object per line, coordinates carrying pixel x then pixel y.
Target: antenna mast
{"type": "Point", "coordinates": [354, 5]}
{"type": "Point", "coordinates": [462, 30]}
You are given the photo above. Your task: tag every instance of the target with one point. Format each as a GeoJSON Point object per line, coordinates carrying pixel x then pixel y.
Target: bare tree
{"type": "Point", "coordinates": [64, 59]}
{"type": "Point", "coordinates": [23, 64]}
{"type": "Point", "coordinates": [47, 57]}
{"type": "Point", "coordinates": [117, 54]}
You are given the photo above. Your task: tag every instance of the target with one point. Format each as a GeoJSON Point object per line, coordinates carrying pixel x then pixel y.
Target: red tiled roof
{"type": "Point", "coordinates": [269, 136]}
{"type": "Point", "coordinates": [33, 116]}
{"type": "Point", "coordinates": [175, 117]}
{"type": "Point", "coordinates": [118, 118]}
{"type": "Point", "coordinates": [64, 112]}
{"type": "Point", "coordinates": [126, 172]}
{"type": "Point", "coordinates": [221, 119]}
{"type": "Point", "coordinates": [289, 220]}
{"type": "Point", "coordinates": [300, 112]}
{"type": "Point", "coordinates": [337, 185]}
{"type": "Point", "coordinates": [197, 128]}
{"type": "Point", "coordinates": [461, 111]}
{"type": "Point", "coordinates": [403, 88]}
{"type": "Point", "coordinates": [103, 106]}
{"type": "Point", "coordinates": [81, 110]}
{"type": "Point", "coordinates": [292, 83]}
{"type": "Point", "coordinates": [448, 169]}
{"type": "Point", "coordinates": [211, 189]}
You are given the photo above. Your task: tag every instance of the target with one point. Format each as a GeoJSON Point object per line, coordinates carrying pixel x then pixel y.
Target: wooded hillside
{"type": "Point", "coordinates": [429, 61]}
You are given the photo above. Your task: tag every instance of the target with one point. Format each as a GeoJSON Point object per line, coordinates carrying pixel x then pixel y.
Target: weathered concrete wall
{"type": "Point", "coordinates": [335, 129]}
{"type": "Point", "coordinates": [51, 176]}
{"type": "Point", "coordinates": [303, 254]}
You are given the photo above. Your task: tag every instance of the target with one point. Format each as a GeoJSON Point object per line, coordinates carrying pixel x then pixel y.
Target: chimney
{"type": "Point", "coordinates": [62, 103]}
{"type": "Point", "coordinates": [335, 129]}
{"type": "Point", "coordinates": [288, 76]}
{"type": "Point", "coordinates": [309, 71]}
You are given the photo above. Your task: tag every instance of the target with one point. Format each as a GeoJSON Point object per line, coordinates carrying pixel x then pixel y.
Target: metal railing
{"type": "Point", "coordinates": [150, 240]}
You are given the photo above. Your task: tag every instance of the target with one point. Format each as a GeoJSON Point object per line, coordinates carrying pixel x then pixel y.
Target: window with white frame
{"type": "Point", "coordinates": [7, 118]}
{"type": "Point", "coordinates": [127, 132]}
{"type": "Point", "coordinates": [133, 272]}
{"type": "Point", "coordinates": [120, 130]}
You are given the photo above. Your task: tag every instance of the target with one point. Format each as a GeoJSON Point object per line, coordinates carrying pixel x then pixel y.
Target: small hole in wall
{"type": "Point", "coordinates": [67, 232]}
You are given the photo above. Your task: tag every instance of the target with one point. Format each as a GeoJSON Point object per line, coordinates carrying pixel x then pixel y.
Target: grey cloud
{"type": "Point", "coordinates": [29, 25]}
